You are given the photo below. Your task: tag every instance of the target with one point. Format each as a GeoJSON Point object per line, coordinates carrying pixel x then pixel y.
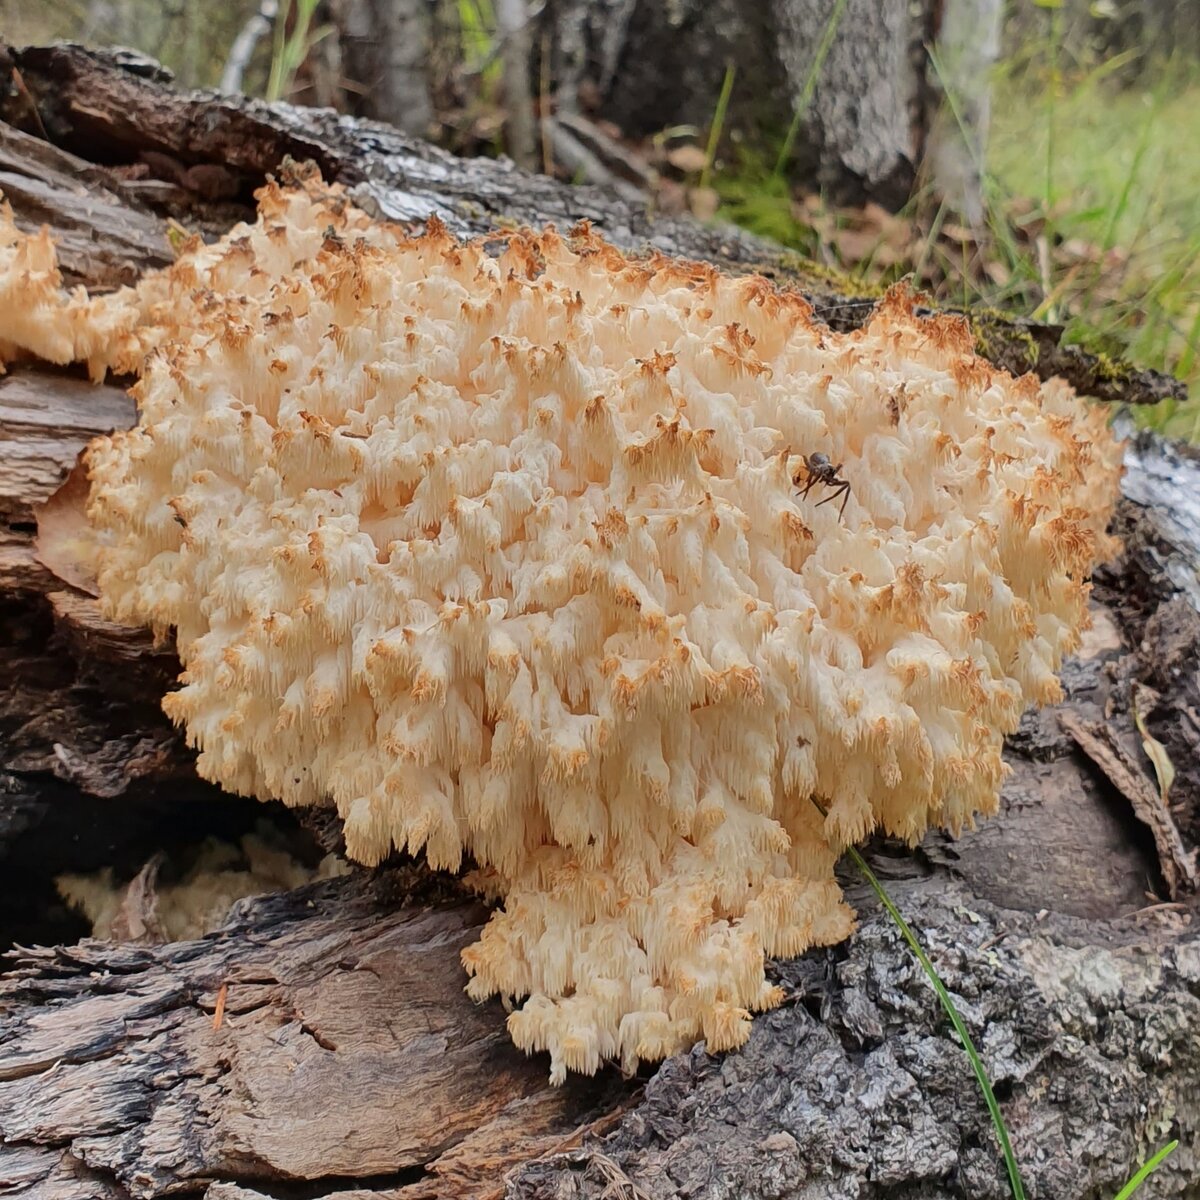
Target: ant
{"type": "Point", "coordinates": [820, 470]}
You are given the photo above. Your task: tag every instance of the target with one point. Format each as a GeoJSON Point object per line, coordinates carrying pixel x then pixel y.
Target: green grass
{"type": "Point", "coordinates": [985, 1086]}
{"type": "Point", "coordinates": [1093, 199]}
{"type": "Point", "coordinates": [717, 124]}
{"type": "Point", "coordinates": [1124, 180]}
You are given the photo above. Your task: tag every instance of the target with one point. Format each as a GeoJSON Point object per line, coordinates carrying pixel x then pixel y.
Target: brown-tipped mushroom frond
{"type": "Point", "coordinates": [503, 556]}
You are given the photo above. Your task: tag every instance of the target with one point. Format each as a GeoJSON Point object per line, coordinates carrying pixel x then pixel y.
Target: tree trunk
{"type": "Point", "coordinates": [512, 27]}
{"type": "Point", "coordinates": [384, 46]}
{"type": "Point", "coordinates": [968, 48]}
{"type": "Point", "coordinates": [852, 73]}
{"type": "Point", "coordinates": [321, 1045]}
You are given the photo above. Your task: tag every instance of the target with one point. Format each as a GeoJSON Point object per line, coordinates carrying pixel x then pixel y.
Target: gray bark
{"type": "Point", "coordinates": [647, 65]}
{"type": "Point", "coordinates": [968, 48]}
{"type": "Point", "coordinates": [865, 127]}
{"type": "Point", "coordinates": [384, 47]}
{"type": "Point", "coordinates": [346, 1062]}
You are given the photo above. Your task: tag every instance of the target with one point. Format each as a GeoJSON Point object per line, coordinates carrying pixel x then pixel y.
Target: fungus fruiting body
{"type": "Point", "coordinates": [500, 550]}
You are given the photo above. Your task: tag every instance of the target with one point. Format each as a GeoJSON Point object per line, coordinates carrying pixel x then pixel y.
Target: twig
{"type": "Point", "coordinates": [615, 157]}
{"type": "Point", "coordinates": [585, 166]}
{"type": "Point", "coordinates": [19, 83]}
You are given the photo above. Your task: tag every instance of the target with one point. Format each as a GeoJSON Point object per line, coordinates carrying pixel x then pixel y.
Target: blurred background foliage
{"type": "Point", "coordinates": [1089, 184]}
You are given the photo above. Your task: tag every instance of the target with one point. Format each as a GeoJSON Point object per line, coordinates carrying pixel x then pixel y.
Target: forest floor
{"type": "Point", "coordinates": [1092, 221]}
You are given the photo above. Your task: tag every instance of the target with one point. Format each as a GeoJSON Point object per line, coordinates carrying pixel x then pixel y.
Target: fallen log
{"type": "Point", "coordinates": [320, 1044]}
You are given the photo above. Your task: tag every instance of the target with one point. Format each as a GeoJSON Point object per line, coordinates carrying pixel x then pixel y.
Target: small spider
{"type": "Point", "coordinates": [818, 469]}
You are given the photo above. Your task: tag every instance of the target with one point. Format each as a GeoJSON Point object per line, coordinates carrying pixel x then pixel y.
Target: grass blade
{"type": "Point", "coordinates": [718, 122]}
{"type": "Point", "coordinates": [985, 1084]}
{"type": "Point", "coordinates": [1145, 1171]}
{"type": "Point", "coordinates": [810, 84]}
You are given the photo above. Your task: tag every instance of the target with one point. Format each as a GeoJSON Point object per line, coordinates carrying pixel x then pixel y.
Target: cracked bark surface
{"type": "Point", "coordinates": [346, 1061]}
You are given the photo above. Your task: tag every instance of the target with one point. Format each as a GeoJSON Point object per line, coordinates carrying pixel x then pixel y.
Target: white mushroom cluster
{"type": "Point", "coordinates": [39, 319]}
{"type": "Point", "coordinates": [503, 552]}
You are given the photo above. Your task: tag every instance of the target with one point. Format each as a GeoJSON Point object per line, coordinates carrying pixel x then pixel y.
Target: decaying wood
{"type": "Point", "coordinates": [1178, 863]}
{"type": "Point", "coordinates": [314, 1071]}
{"type": "Point", "coordinates": [105, 235]}
{"type": "Point", "coordinates": [320, 1045]}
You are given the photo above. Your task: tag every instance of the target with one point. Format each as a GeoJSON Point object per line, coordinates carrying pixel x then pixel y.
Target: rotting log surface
{"type": "Point", "coordinates": [320, 1045]}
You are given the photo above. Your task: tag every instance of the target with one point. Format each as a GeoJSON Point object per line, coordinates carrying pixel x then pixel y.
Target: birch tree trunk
{"type": "Point", "coordinates": [968, 48]}
{"type": "Point", "coordinates": [384, 52]}
{"type": "Point", "coordinates": [853, 75]}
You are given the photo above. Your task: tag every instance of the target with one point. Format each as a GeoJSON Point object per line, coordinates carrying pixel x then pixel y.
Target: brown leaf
{"type": "Point", "coordinates": [962, 234]}
{"type": "Point", "coordinates": [137, 919]}
{"type": "Point", "coordinates": [997, 272]}
{"type": "Point", "coordinates": [65, 541]}
{"type": "Point", "coordinates": [853, 245]}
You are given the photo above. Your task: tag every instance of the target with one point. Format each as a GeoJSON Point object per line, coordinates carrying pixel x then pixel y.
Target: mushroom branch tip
{"type": "Point", "coordinates": [518, 551]}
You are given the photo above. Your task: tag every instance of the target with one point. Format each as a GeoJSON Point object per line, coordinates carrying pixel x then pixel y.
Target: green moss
{"type": "Point", "coordinates": [1113, 370]}
{"type": "Point", "coordinates": [816, 277]}
{"type": "Point", "coordinates": [1001, 341]}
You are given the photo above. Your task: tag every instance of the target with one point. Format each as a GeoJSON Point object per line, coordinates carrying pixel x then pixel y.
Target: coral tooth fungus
{"type": "Point", "coordinates": [501, 555]}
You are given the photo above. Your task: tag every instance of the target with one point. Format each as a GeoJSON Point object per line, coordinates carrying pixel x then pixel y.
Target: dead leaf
{"type": "Point", "coordinates": [137, 919]}
{"type": "Point", "coordinates": [1156, 752]}
{"type": "Point", "coordinates": [65, 541]}
{"type": "Point", "coordinates": [219, 1011]}
{"type": "Point", "coordinates": [1178, 864]}
{"type": "Point", "coordinates": [688, 159]}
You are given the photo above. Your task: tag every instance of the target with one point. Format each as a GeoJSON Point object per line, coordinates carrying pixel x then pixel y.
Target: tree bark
{"type": "Point", "coordinates": [512, 27]}
{"type": "Point", "coordinates": [864, 102]}
{"type": "Point", "coordinates": [968, 48]}
{"type": "Point", "coordinates": [320, 1044]}
{"type": "Point", "coordinates": [384, 46]}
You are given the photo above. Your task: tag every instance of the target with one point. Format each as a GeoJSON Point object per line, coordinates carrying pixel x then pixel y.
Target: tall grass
{"type": "Point", "coordinates": [718, 124]}
{"type": "Point", "coordinates": [289, 48]}
{"type": "Point", "coordinates": [1125, 182]}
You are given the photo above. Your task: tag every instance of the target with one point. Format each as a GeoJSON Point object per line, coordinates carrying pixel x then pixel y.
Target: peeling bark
{"type": "Point", "coordinates": [312, 1072]}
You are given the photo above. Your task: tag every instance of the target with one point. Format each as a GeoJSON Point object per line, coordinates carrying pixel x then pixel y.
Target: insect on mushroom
{"type": "Point", "coordinates": [818, 469]}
